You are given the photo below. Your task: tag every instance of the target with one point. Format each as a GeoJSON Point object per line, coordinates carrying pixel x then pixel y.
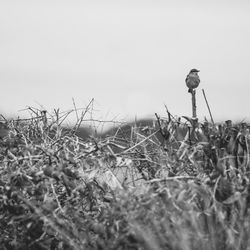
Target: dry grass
{"type": "Point", "coordinates": [165, 186]}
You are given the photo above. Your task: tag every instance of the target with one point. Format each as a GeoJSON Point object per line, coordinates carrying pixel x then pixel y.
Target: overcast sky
{"type": "Point", "coordinates": [131, 56]}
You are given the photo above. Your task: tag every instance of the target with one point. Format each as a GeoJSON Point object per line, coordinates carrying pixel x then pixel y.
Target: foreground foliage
{"type": "Point", "coordinates": [171, 185]}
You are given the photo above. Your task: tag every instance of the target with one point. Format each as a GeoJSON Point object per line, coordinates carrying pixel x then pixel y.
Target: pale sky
{"type": "Point", "coordinates": [131, 56]}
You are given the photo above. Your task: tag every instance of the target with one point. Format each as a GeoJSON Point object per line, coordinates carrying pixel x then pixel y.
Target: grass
{"type": "Point", "coordinates": [165, 185]}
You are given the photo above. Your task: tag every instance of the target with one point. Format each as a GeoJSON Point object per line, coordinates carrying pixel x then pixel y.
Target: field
{"type": "Point", "coordinates": [168, 184]}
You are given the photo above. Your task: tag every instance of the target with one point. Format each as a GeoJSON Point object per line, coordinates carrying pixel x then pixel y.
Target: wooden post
{"type": "Point", "coordinates": [193, 92]}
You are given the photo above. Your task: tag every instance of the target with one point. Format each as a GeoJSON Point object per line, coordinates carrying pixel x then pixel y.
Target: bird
{"type": "Point", "coordinates": [192, 80]}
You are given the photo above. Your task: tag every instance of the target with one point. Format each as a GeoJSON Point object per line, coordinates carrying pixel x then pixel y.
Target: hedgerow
{"type": "Point", "coordinates": [168, 186]}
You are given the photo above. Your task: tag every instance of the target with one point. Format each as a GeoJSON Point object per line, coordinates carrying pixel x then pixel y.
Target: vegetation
{"type": "Point", "coordinates": [167, 185]}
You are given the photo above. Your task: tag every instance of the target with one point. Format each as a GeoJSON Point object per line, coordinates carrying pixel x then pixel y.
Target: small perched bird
{"type": "Point", "coordinates": [192, 80]}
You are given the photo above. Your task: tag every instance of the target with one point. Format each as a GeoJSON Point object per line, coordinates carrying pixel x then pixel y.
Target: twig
{"type": "Point", "coordinates": [208, 106]}
{"type": "Point", "coordinates": [56, 197]}
{"type": "Point", "coordinates": [17, 159]}
{"type": "Point", "coordinates": [247, 149]}
{"type": "Point", "coordinates": [159, 124]}
{"type": "Point", "coordinates": [139, 143]}
{"type": "Point", "coordinates": [103, 121]}
{"type": "Point", "coordinates": [27, 119]}
{"type": "Point", "coordinates": [79, 122]}
{"type": "Point", "coordinates": [77, 117]}
{"type": "Point", "coordinates": [169, 114]}
{"type": "Point", "coordinates": [172, 179]}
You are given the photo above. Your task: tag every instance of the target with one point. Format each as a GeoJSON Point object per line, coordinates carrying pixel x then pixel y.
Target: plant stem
{"type": "Point", "coordinates": [208, 106]}
{"type": "Point", "coordinates": [194, 103]}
